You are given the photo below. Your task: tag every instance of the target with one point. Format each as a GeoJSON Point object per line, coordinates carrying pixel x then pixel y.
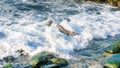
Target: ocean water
{"type": "Point", "coordinates": [22, 25]}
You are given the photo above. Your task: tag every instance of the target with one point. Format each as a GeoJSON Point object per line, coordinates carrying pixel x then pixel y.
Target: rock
{"type": "Point", "coordinates": [41, 59]}
{"type": "Point", "coordinates": [112, 62]}
{"type": "Point", "coordinates": [112, 2]}
{"type": "Point", "coordinates": [59, 61]}
{"type": "Point", "coordinates": [65, 31]}
{"type": "Point", "coordinates": [96, 66]}
{"type": "Point", "coordinates": [8, 59]}
{"type": "Point", "coordinates": [107, 55]}
{"type": "Point", "coordinates": [22, 52]}
{"type": "Point", "coordinates": [114, 48]}
{"type": "Point", "coordinates": [51, 66]}
{"type": "Point", "coordinates": [8, 66]}
{"type": "Point", "coordinates": [49, 23]}
{"type": "Point", "coordinates": [118, 3]}
{"type": "Point", "coordinates": [47, 60]}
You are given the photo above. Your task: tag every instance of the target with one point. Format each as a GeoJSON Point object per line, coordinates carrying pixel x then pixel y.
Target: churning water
{"type": "Point", "coordinates": [22, 25]}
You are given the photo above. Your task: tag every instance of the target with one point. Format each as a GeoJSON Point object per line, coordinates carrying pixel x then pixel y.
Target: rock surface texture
{"type": "Point", "coordinates": [110, 2]}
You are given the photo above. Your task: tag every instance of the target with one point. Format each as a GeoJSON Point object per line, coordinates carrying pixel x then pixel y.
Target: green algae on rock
{"type": "Point", "coordinates": [112, 62]}
{"type": "Point", "coordinates": [40, 59]}
{"type": "Point", "coordinates": [114, 48]}
{"type": "Point", "coordinates": [47, 60]}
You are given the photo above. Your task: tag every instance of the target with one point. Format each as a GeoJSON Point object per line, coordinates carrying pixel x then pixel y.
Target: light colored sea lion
{"type": "Point", "coordinates": [65, 31]}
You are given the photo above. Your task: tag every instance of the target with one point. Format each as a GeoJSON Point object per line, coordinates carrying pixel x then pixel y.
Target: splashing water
{"type": "Point", "coordinates": [22, 25]}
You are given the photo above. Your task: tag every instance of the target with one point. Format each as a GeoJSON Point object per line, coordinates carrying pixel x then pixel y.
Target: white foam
{"type": "Point", "coordinates": [31, 35]}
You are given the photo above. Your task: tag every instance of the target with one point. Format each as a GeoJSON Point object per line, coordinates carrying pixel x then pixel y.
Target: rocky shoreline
{"type": "Point", "coordinates": [104, 56]}
{"type": "Point", "coordinates": [96, 55]}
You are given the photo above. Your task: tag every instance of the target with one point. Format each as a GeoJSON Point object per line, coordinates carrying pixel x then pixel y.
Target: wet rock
{"type": "Point", "coordinates": [40, 59]}
{"type": "Point", "coordinates": [8, 59]}
{"type": "Point", "coordinates": [118, 3]}
{"type": "Point", "coordinates": [59, 61]}
{"type": "Point", "coordinates": [49, 23]}
{"type": "Point", "coordinates": [112, 62]}
{"type": "Point", "coordinates": [22, 52]}
{"type": "Point", "coordinates": [107, 55]}
{"type": "Point", "coordinates": [51, 66]}
{"type": "Point", "coordinates": [114, 48]}
{"type": "Point", "coordinates": [112, 2]}
{"type": "Point", "coordinates": [65, 31]}
{"type": "Point", "coordinates": [47, 60]}
{"type": "Point", "coordinates": [8, 66]}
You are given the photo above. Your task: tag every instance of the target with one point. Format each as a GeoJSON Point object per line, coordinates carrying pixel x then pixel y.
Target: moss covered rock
{"type": "Point", "coordinates": [40, 59]}
{"type": "Point", "coordinates": [114, 48]}
{"type": "Point", "coordinates": [112, 62]}
{"type": "Point", "coordinates": [59, 61]}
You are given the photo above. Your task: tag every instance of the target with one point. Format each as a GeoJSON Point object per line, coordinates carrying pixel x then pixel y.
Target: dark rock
{"type": "Point", "coordinates": [8, 59]}
{"type": "Point", "coordinates": [112, 62]}
{"type": "Point", "coordinates": [114, 48]}
{"type": "Point", "coordinates": [59, 61]}
{"type": "Point", "coordinates": [41, 59]}
{"type": "Point", "coordinates": [22, 52]}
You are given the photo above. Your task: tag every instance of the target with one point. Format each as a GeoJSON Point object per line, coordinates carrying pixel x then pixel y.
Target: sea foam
{"type": "Point", "coordinates": [25, 29]}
